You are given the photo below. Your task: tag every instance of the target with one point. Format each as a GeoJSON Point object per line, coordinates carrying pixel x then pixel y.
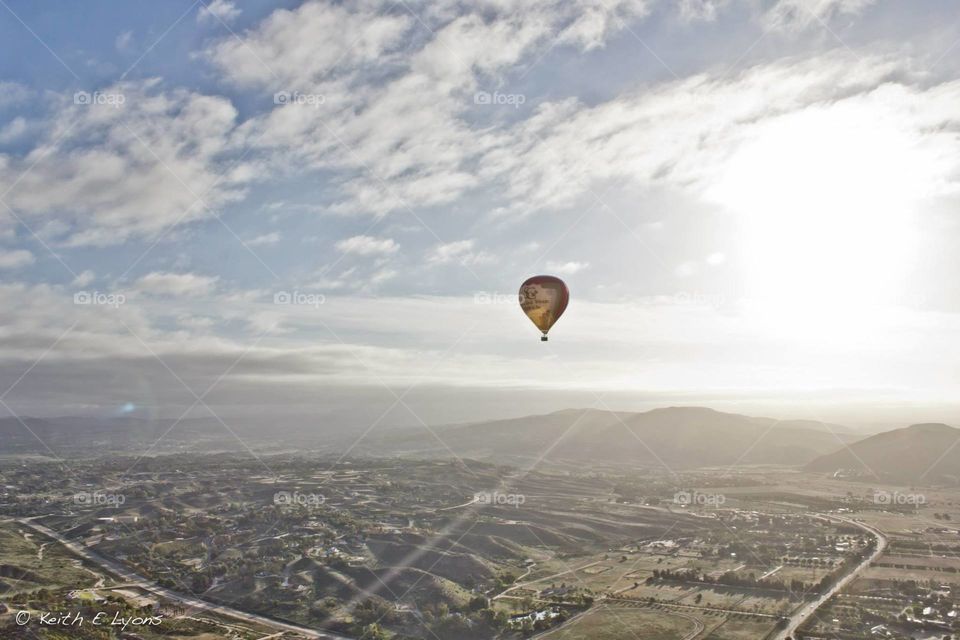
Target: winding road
{"type": "Point", "coordinates": [139, 581]}
{"type": "Point", "coordinates": [806, 611]}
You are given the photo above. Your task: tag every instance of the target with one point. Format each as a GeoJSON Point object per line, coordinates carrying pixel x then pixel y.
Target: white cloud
{"type": "Point", "coordinates": [567, 268]}
{"type": "Point", "coordinates": [368, 245]}
{"type": "Point", "coordinates": [149, 161]}
{"type": "Point", "coordinates": [460, 252]}
{"type": "Point", "coordinates": [383, 275]}
{"type": "Point", "coordinates": [294, 49]}
{"type": "Point", "coordinates": [218, 11]}
{"type": "Point", "coordinates": [677, 134]}
{"type": "Point", "coordinates": [84, 278]}
{"type": "Point", "coordinates": [265, 239]}
{"type": "Point", "coordinates": [701, 9]}
{"type": "Point", "coordinates": [395, 95]}
{"type": "Point", "coordinates": [777, 14]}
{"type": "Point", "coordinates": [16, 259]}
{"type": "Point", "coordinates": [124, 40]}
{"type": "Point", "coordinates": [691, 346]}
{"type": "Point", "coordinates": [795, 14]}
{"type": "Point", "coordinates": [14, 129]}
{"type": "Point", "coordinates": [12, 93]}
{"type": "Point", "coordinates": [176, 284]}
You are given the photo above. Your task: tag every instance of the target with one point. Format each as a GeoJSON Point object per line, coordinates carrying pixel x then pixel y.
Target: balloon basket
{"type": "Point", "coordinates": [543, 338]}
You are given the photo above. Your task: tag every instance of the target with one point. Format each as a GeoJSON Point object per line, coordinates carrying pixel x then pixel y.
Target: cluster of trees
{"type": "Point", "coordinates": [729, 579]}
{"type": "Point", "coordinates": [473, 621]}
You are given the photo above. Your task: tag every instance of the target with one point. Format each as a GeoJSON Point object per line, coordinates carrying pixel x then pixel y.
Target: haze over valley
{"type": "Point", "coordinates": [480, 320]}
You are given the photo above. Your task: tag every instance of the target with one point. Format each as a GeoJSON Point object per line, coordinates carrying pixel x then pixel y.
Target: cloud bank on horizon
{"type": "Point", "coordinates": [749, 199]}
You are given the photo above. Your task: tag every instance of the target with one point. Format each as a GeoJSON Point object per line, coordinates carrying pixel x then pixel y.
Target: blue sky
{"type": "Point", "coordinates": [752, 201]}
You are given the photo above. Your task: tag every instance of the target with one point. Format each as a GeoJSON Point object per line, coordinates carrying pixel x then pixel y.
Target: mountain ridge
{"type": "Point", "coordinates": [666, 436]}
{"type": "Point", "coordinates": [927, 452]}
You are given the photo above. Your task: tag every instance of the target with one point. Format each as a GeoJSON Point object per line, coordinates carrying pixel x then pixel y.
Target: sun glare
{"type": "Point", "coordinates": [826, 202]}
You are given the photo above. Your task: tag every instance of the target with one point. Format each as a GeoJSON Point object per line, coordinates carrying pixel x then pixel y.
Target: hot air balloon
{"type": "Point", "coordinates": [544, 299]}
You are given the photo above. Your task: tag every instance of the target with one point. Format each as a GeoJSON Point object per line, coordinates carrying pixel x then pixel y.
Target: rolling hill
{"type": "Point", "coordinates": [675, 437]}
{"type": "Point", "coordinates": [919, 454]}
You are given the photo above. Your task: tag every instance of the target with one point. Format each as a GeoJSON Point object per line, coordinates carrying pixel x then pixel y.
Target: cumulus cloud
{"type": "Point", "coordinates": [16, 259]}
{"type": "Point", "coordinates": [460, 252]}
{"type": "Point", "coordinates": [218, 11]}
{"type": "Point", "coordinates": [84, 278]}
{"type": "Point", "coordinates": [680, 133]}
{"type": "Point", "coordinates": [368, 245]}
{"type": "Point", "coordinates": [294, 49]}
{"type": "Point", "coordinates": [265, 239]}
{"type": "Point", "coordinates": [394, 99]}
{"type": "Point", "coordinates": [176, 284]}
{"type": "Point", "coordinates": [147, 161]}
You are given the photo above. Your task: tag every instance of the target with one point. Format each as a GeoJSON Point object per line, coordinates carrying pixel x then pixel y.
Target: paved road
{"type": "Point", "coordinates": [803, 614]}
{"type": "Point", "coordinates": [195, 603]}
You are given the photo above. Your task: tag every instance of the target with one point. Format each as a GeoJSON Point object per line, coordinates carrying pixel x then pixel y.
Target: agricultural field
{"type": "Point", "coordinates": [616, 623]}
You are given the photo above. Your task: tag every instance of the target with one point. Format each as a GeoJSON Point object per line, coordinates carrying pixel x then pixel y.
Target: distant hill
{"type": "Point", "coordinates": [675, 437]}
{"type": "Point", "coordinates": [919, 454]}
{"type": "Point", "coordinates": [678, 437]}
{"type": "Point", "coordinates": [64, 437]}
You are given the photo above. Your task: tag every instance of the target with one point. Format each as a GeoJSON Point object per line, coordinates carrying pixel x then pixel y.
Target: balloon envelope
{"type": "Point", "coordinates": [544, 299]}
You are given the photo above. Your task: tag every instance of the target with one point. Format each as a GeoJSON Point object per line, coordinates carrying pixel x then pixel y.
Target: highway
{"type": "Point", "coordinates": [803, 613]}
{"type": "Point", "coordinates": [189, 601]}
